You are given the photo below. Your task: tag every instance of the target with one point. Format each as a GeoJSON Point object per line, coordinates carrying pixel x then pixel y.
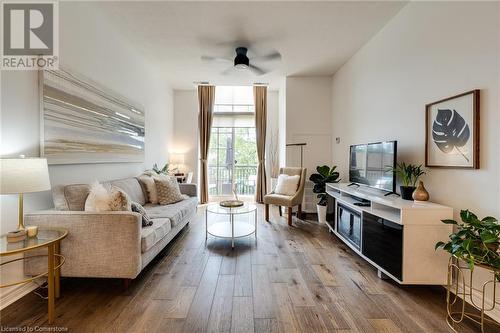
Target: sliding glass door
{"type": "Point", "coordinates": [232, 161]}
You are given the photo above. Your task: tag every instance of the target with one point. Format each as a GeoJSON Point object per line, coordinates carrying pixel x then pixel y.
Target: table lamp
{"type": "Point", "coordinates": [177, 160]}
{"type": "Point", "coordinates": [23, 175]}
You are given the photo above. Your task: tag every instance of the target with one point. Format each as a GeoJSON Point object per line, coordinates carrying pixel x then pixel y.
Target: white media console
{"type": "Point", "coordinates": [396, 236]}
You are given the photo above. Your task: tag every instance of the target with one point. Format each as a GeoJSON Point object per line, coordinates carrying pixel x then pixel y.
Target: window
{"type": "Point", "coordinates": [234, 99]}
{"type": "Point", "coordinates": [232, 158]}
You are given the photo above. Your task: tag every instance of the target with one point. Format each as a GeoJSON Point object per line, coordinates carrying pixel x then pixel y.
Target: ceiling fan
{"type": "Point", "coordinates": [242, 62]}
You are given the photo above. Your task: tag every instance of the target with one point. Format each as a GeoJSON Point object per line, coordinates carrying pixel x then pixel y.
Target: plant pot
{"type": "Point", "coordinates": [321, 213]}
{"type": "Point", "coordinates": [406, 192]}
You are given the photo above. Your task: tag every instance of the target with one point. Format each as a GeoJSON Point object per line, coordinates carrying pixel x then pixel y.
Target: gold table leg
{"type": "Point", "coordinates": [51, 280]}
{"type": "Point", "coordinates": [57, 277]}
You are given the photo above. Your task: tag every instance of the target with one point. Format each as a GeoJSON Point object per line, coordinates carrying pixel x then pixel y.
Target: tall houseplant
{"type": "Point", "coordinates": [323, 176]}
{"type": "Point", "coordinates": [408, 174]}
{"type": "Point", "coordinates": [475, 241]}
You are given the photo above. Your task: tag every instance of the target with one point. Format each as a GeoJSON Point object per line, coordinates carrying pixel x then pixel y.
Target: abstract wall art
{"type": "Point", "coordinates": [83, 122]}
{"type": "Point", "coordinates": [452, 132]}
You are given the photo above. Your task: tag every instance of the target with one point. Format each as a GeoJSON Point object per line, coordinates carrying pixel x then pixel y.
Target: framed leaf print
{"type": "Point", "coordinates": [452, 132]}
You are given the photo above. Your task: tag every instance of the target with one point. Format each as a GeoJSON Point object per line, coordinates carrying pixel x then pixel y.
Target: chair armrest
{"type": "Point", "coordinates": [104, 244]}
{"type": "Point", "coordinates": [188, 189]}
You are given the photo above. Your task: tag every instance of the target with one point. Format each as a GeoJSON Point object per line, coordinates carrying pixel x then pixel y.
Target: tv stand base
{"type": "Point", "coordinates": [389, 193]}
{"type": "Point", "coordinates": [353, 184]}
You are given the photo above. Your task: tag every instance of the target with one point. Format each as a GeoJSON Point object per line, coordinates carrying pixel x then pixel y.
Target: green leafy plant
{"type": "Point", "coordinates": [475, 241]}
{"type": "Point", "coordinates": [408, 173]}
{"type": "Point", "coordinates": [165, 170]}
{"type": "Point", "coordinates": [324, 175]}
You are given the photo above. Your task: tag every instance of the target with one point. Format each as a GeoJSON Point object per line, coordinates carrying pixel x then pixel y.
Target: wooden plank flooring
{"type": "Point", "coordinates": [294, 279]}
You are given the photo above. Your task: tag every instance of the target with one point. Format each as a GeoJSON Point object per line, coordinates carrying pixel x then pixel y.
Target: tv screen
{"type": "Point", "coordinates": [370, 164]}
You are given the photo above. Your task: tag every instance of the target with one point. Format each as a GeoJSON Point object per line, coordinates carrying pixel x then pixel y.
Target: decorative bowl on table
{"type": "Point", "coordinates": [231, 203]}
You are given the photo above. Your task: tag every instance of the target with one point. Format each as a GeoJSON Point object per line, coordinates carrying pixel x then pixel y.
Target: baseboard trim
{"type": "Point", "coordinates": [17, 293]}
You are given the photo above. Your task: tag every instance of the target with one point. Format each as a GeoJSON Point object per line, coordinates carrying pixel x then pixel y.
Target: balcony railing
{"type": "Point", "coordinates": [219, 180]}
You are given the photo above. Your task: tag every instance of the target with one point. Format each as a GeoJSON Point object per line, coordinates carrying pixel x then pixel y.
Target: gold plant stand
{"type": "Point", "coordinates": [456, 277]}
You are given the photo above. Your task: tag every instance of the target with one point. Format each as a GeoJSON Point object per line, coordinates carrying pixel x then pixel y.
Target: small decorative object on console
{"type": "Point", "coordinates": [16, 236]}
{"type": "Point", "coordinates": [32, 231]}
{"type": "Point", "coordinates": [420, 194]}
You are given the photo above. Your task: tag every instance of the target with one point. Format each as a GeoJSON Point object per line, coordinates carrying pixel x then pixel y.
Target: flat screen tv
{"type": "Point", "coordinates": [370, 164]}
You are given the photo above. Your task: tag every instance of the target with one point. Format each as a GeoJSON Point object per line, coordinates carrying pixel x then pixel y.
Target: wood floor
{"type": "Point", "coordinates": [295, 279]}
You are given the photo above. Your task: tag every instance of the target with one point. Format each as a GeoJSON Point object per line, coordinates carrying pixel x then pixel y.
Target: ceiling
{"type": "Point", "coordinates": [314, 38]}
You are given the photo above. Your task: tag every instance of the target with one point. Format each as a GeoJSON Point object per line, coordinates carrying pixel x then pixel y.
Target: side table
{"type": "Point", "coordinates": [49, 238]}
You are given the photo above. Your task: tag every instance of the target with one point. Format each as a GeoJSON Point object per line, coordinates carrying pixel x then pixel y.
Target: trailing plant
{"type": "Point", "coordinates": [408, 173]}
{"type": "Point", "coordinates": [324, 175]}
{"type": "Point", "coordinates": [475, 241]}
{"type": "Point", "coordinates": [165, 170]}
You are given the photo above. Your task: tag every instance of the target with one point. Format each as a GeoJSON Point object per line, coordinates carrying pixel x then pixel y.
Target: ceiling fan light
{"type": "Point", "coordinates": [241, 66]}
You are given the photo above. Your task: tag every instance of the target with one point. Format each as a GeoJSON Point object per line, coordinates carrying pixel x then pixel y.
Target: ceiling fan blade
{"type": "Point", "coordinates": [227, 71]}
{"type": "Point", "coordinates": [269, 57]}
{"type": "Point", "coordinates": [217, 59]}
{"type": "Point", "coordinates": [256, 70]}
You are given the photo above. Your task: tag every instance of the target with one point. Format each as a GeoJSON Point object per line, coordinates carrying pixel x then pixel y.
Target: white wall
{"type": "Point", "coordinates": [429, 51]}
{"type": "Point", "coordinates": [186, 129]}
{"type": "Point", "coordinates": [186, 125]}
{"type": "Point", "coordinates": [308, 119]}
{"type": "Point", "coordinates": [88, 45]}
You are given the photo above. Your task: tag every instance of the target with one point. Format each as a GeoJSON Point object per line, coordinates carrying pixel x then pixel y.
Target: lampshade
{"type": "Point", "coordinates": [23, 175]}
{"type": "Point", "coordinates": [177, 158]}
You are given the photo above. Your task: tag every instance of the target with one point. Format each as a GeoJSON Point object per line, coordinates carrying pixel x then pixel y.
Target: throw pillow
{"type": "Point", "coordinates": [149, 184]}
{"type": "Point", "coordinates": [146, 220]}
{"type": "Point", "coordinates": [119, 200]}
{"type": "Point", "coordinates": [287, 185]}
{"type": "Point", "coordinates": [102, 200]}
{"type": "Point", "coordinates": [98, 198]}
{"type": "Point", "coordinates": [168, 190]}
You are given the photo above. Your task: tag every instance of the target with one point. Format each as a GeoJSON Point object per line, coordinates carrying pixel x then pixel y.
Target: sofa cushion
{"type": "Point", "coordinates": [176, 212]}
{"type": "Point", "coordinates": [153, 234]}
{"type": "Point", "coordinates": [75, 196]}
{"type": "Point", "coordinates": [132, 187]}
{"type": "Point", "coordinates": [278, 199]}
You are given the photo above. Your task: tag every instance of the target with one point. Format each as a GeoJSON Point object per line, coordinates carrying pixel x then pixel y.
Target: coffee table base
{"type": "Point", "coordinates": [230, 229]}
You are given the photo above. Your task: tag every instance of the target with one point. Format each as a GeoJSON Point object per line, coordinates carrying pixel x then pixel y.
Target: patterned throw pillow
{"type": "Point", "coordinates": [119, 200]}
{"type": "Point", "coordinates": [101, 199]}
{"type": "Point", "coordinates": [168, 190]}
{"type": "Point", "coordinates": [146, 220]}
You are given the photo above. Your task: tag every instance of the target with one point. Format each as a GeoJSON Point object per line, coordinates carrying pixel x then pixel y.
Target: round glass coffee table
{"type": "Point", "coordinates": [231, 229]}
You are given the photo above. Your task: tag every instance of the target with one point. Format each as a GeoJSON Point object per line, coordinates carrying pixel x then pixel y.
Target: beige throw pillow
{"type": "Point", "coordinates": [119, 200]}
{"type": "Point", "coordinates": [287, 185]}
{"type": "Point", "coordinates": [168, 190]}
{"type": "Point", "coordinates": [98, 198]}
{"type": "Point", "coordinates": [102, 200]}
{"type": "Point", "coordinates": [149, 184]}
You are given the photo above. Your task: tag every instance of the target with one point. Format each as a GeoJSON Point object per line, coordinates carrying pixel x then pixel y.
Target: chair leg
{"type": "Point", "coordinates": [279, 209]}
{"type": "Point", "coordinates": [289, 215]}
{"type": "Point", "coordinates": [299, 212]}
{"type": "Point", "coordinates": [267, 212]}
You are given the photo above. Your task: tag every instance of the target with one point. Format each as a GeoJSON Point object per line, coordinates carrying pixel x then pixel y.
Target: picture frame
{"type": "Point", "coordinates": [452, 132]}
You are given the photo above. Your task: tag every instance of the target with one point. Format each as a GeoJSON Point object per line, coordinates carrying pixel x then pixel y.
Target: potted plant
{"type": "Point", "coordinates": [165, 170]}
{"type": "Point", "coordinates": [475, 241]}
{"type": "Point", "coordinates": [409, 175]}
{"type": "Point", "coordinates": [323, 176]}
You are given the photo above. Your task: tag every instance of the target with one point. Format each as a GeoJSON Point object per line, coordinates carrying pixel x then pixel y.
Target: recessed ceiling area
{"type": "Point", "coordinates": [314, 38]}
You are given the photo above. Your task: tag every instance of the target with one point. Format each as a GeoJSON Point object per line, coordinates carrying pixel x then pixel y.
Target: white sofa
{"type": "Point", "coordinates": [112, 244]}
